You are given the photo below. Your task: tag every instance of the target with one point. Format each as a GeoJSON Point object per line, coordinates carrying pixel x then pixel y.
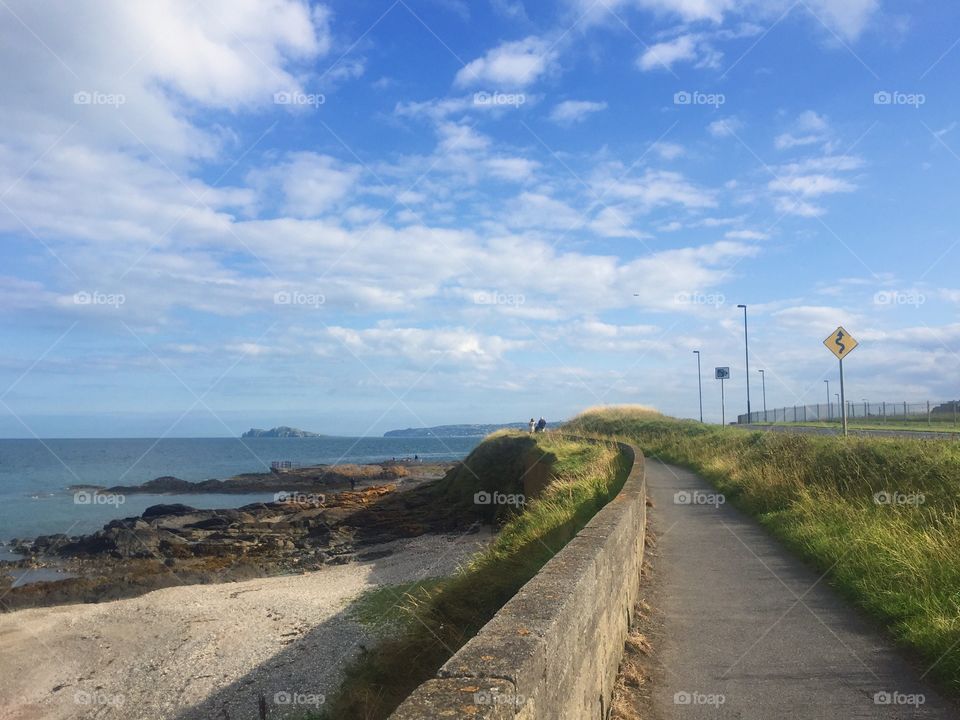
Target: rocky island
{"type": "Point", "coordinates": [282, 431]}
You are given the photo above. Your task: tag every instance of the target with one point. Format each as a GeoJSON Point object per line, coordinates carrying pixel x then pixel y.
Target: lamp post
{"type": "Point", "coordinates": [763, 380]}
{"type": "Point", "coordinates": [699, 383]}
{"type": "Point", "coordinates": [746, 349]}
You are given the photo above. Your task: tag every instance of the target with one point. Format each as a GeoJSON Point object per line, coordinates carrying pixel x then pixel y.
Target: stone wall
{"type": "Point", "coordinates": [553, 650]}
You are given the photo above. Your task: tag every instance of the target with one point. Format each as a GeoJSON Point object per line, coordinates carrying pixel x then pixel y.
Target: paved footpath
{"type": "Point", "coordinates": [742, 621]}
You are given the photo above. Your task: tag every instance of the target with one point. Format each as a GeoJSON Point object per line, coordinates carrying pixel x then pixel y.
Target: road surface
{"type": "Point", "coordinates": [742, 629]}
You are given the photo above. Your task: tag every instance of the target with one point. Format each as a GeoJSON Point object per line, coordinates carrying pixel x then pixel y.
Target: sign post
{"type": "Point", "coordinates": [721, 374]}
{"type": "Point", "coordinates": [841, 343]}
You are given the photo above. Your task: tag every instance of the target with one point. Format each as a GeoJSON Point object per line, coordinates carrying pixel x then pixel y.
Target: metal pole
{"type": "Point", "coordinates": [746, 350]}
{"type": "Point", "coordinates": [829, 406]}
{"type": "Point", "coordinates": [700, 384]}
{"type": "Point", "coordinates": [763, 379]}
{"type": "Point", "coordinates": [843, 403]}
{"type": "Point", "coordinates": [723, 405]}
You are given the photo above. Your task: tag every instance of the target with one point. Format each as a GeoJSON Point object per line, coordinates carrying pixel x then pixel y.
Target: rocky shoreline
{"type": "Point", "coordinates": [175, 544]}
{"type": "Point", "coordinates": [309, 479]}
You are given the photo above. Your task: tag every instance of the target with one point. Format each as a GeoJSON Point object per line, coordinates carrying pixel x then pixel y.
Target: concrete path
{"type": "Point", "coordinates": [745, 630]}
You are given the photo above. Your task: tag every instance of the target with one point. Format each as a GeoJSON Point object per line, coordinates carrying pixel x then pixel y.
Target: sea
{"type": "Point", "coordinates": [35, 474]}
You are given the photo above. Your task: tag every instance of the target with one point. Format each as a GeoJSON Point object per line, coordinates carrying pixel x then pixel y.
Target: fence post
{"type": "Point", "coordinates": [884, 411]}
{"type": "Point", "coordinates": [928, 412]}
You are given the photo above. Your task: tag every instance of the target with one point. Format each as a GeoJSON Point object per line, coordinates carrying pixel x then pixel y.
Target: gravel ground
{"type": "Point", "coordinates": [205, 652]}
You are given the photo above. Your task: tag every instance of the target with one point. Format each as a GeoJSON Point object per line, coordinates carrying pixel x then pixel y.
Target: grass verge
{"type": "Point", "coordinates": [442, 615]}
{"type": "Point", "coordinates": [880, 515]}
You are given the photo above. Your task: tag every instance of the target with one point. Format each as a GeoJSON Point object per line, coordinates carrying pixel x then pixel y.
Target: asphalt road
{"type": "Point", "coordinates": [854, 431]}
{"type": "Point", "coordinates": [745, 630]}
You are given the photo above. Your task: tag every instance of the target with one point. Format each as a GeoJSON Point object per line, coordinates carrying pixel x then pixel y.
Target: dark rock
{"type": "Point", "coordinates": [171, 509]}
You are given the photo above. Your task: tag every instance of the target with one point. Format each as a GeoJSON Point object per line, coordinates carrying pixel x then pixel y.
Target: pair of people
{"type": "Point", "coordinates": [538, 425]}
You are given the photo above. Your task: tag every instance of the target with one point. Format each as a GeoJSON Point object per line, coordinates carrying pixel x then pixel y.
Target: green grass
{"type": "Point", "coordinates": [899, 562]}
{"type": "Point", "coordinates": [442, 615]}
{"type": "Point", "coordinates": [381, 608]}
{"type": "Point", "coordinates": [913, 426]}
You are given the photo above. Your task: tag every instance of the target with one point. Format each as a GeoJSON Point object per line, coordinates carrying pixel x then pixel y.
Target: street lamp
{"type": "Point", "coordinates": [763, 379]}
{"type": "Point", "coordinates": [699, 383]}
{"type": "Point", "coordinates": [746, 348]}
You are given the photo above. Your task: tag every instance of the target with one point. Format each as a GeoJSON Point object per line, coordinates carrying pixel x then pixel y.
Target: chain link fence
{"type": "Point", "coordinates": [925, 412]}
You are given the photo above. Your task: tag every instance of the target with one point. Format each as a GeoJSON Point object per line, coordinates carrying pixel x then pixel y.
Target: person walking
{"type": "Point", "coordinates": [541, 424]}
{"type": "Point", "coordinates": [533, 424]}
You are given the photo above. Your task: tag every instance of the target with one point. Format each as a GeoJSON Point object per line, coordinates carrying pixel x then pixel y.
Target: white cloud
{"type": "Point", "coordinates": [849, 18]}
{"type": "Point", "coordinates": [664, 55]}
{"type": "Point", "coordinates": [310, 183]}
{"type": "Point", "coordinates": [537, 210]}
{"type": "Point", "coordinates": [516, 169]}
{"type": "Point", "coordinates": [668, 150]}
{"type": "Point", "coordinates": [745, 235]}
{"type": "Point", "coordinates": [510, 65]}
{"type": "Point", "coordinates": [809, 128]}
{"type": "Point", "coordinates": [812, 185]}
{"type": "Point", "coordinates": [572, 111]}
{"type": "Point", "coordinates": [426, 348]}
{"type": "Point", "coordinates": [165, 60]}
{"type": "Point", "coordinates": [724, 127]}
{"type": "Point", "coordinates": [656, 188]}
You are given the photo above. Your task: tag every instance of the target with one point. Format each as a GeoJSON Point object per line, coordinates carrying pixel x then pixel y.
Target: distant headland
{"type": "Point", "coordinates": [455, 430]}
{"type": "Point", "coordinates": [280, 432]}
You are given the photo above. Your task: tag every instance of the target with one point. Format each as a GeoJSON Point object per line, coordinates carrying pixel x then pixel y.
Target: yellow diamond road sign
{"type": "Point", "coordinates": [840, 343]}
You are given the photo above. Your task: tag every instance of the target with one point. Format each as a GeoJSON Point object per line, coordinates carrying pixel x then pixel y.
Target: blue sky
{"type": "Point", "coordinates": [357, 216]}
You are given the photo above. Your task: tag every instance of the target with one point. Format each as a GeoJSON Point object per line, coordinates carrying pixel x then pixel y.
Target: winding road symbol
{"type": "Point", "coordinates": [840, 343]}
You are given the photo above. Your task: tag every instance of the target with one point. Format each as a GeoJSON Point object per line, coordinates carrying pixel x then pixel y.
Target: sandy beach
{"type": "Point", "coordinates": [200, 652]}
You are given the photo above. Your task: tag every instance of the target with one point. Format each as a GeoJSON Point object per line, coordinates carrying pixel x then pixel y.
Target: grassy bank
{"type": "Point", "coordinates": [441, 615]}
{"type": "Point", "coordinates": [880, 514]}
{"type": "Point", "coordinates": [918, 427]}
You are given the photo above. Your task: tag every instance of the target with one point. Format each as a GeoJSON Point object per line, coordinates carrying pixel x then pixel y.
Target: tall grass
{"type": "Point", "coordinates": [898, 560]}
{"type": "Point", "coordinates": [444, 615]}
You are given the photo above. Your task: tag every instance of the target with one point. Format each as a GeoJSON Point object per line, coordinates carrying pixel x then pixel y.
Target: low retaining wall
{"type": "Point", "coordinates": [554, 649]}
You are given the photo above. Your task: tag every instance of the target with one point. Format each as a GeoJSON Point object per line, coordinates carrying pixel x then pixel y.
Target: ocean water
{"type": "Point", "coordinates": [35, 474]}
